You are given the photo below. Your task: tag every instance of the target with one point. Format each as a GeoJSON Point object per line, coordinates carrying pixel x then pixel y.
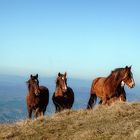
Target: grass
{"type": "Point", "coordinates": [120, 121]}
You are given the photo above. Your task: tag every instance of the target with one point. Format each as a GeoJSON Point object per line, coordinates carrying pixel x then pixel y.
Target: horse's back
{"type": "Point", "coordinates": [97, 86]}
{"type": "Point", "coordinates": [44, 89]}
{"type": "Point", "coordinates": [44, 94]}
{"type": "Point", "coordinates": [69, 95]}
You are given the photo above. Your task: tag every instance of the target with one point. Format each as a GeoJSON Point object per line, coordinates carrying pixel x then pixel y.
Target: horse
{"type": "Point", "coordinates": [37, 98]}
{"type": "Point", "coordinates": [107, 88]}
{"type": "Point", "coordinates": [63, 97]}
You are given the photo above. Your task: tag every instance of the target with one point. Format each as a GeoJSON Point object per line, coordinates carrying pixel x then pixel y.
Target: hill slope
{"type": "Point", "coordinates": [120, 121]}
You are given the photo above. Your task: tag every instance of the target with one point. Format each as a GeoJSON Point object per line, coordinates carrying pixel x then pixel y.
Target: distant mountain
{"type": "Point", "coordinates": [13, 90]}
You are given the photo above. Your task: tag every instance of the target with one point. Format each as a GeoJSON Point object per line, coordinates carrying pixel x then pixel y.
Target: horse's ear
{"type": "Point", "coordinates": [59, 74]}
{"type": "Point", "coordinates": [31, 76]}
{"type": "Point", "coordinates": [130, 67]}
{"type": "Point", "coordinates": [65, 74]}
{"type": "Point", "coordinates": [126, 67]}
{"type": "Point", "coordinates": [36, 75]}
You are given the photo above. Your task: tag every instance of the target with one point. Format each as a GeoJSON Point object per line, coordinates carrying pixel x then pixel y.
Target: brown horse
{"type": "Point", "coordinates": [63, 96]}
{"type": "Point", "coordinates": [37, 98]}
{"type": "Point", "coordinates": [111, 87]}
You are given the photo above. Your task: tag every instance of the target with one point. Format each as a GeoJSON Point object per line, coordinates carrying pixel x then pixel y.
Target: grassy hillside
{"type": "Point", "coordinates": [120, 121]}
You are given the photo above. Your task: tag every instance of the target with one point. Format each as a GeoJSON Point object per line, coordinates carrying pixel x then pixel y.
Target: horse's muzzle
{"type": "Point", "coordinates": [132, 85]}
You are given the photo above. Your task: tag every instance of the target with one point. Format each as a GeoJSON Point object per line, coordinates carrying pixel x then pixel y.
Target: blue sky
{"type": "Point", "coordinates": [86, 38]}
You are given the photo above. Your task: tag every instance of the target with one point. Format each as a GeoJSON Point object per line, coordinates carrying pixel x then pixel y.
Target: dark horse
{"type": "Point", "coordinates": [63, 96]}
{"type": "Point", "coordinates": [111, 87]}
{"type": "Point", "coordinates": [37, 98]}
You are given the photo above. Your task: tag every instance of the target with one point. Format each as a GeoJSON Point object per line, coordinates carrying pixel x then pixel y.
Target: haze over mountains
{"type": "Point", "coordinates": [13, 90]}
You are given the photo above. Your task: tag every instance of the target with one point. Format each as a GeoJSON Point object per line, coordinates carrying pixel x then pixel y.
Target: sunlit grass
{"type": "Point", "coordinates": [120, 121]}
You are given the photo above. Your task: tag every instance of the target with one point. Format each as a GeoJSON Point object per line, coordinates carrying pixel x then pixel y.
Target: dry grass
{"type": "Point", "coordinates": [120, 121]}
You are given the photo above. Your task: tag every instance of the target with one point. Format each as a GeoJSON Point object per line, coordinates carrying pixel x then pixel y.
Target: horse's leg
{"type": "Point", "coordinates": [56, 104]}
{"type": "Point", "coordinates": [60, 108]}
{"type": "Point", "coordinates": [111, 101]}
{"type": "Point", "coordinates": [56, 108]}
{"type": "Point", "coordinates": [36, 113]}
{"type": "Point", "coordinates": [100, 102]}
{"type": "Point", "coordinates": [60, 105]}
{"type": "Point", "coordinates": [29, 113]}
{"type": "Point", "coordinates": [44, 110]}
{"type": "Point", "coordinates": [122, 96]}
{"type": "Point", "coordinates": [41, 113]}
{"type": "Point", "coordinates": [69, 104]}
{"type": "Point", "coordinates": [92, 101]}
{"type": "Point", "coordinates": [104, 100]}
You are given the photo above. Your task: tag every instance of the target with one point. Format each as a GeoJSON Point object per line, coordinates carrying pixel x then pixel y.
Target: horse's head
{"type": "Point", "coordinates": [61, 81]}
{"type": "Point", "coordinates": [33, 83]}
{"type": "Point", "coordinates": [128, 77]}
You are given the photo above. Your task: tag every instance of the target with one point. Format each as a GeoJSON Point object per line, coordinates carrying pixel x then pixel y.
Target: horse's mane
{"type": "Point", "coordinates": [56, 81]}
{"type": "Point", "coordinates": [115, 72]}
{"type": "Point", "coordinates": [28, 85]}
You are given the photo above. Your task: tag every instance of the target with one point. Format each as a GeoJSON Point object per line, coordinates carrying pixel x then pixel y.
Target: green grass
{"type": "Point", "coordinates": [120, 121]}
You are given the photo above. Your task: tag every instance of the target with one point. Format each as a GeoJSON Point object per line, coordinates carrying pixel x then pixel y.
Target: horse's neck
{"type": "Point", "coordinates": [58, 91]}
{"type": "Point", "coordinates": [113, 82]}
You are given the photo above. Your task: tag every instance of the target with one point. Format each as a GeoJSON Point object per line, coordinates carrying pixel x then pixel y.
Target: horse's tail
{"type": "Point", "coordinates": [92, 101]}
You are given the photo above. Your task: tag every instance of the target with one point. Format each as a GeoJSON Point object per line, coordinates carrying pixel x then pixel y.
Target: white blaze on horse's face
{"type": "Point", "coordinates": [132, 83]}
{"type": "Point", "coordinates": [36, 92]}
{"type": "Point", "coordinates": [128, 80]}
{"type": "Point", "coordinates": [36, 87]}
{"type": "Point", "coordinates": [65, 87]}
